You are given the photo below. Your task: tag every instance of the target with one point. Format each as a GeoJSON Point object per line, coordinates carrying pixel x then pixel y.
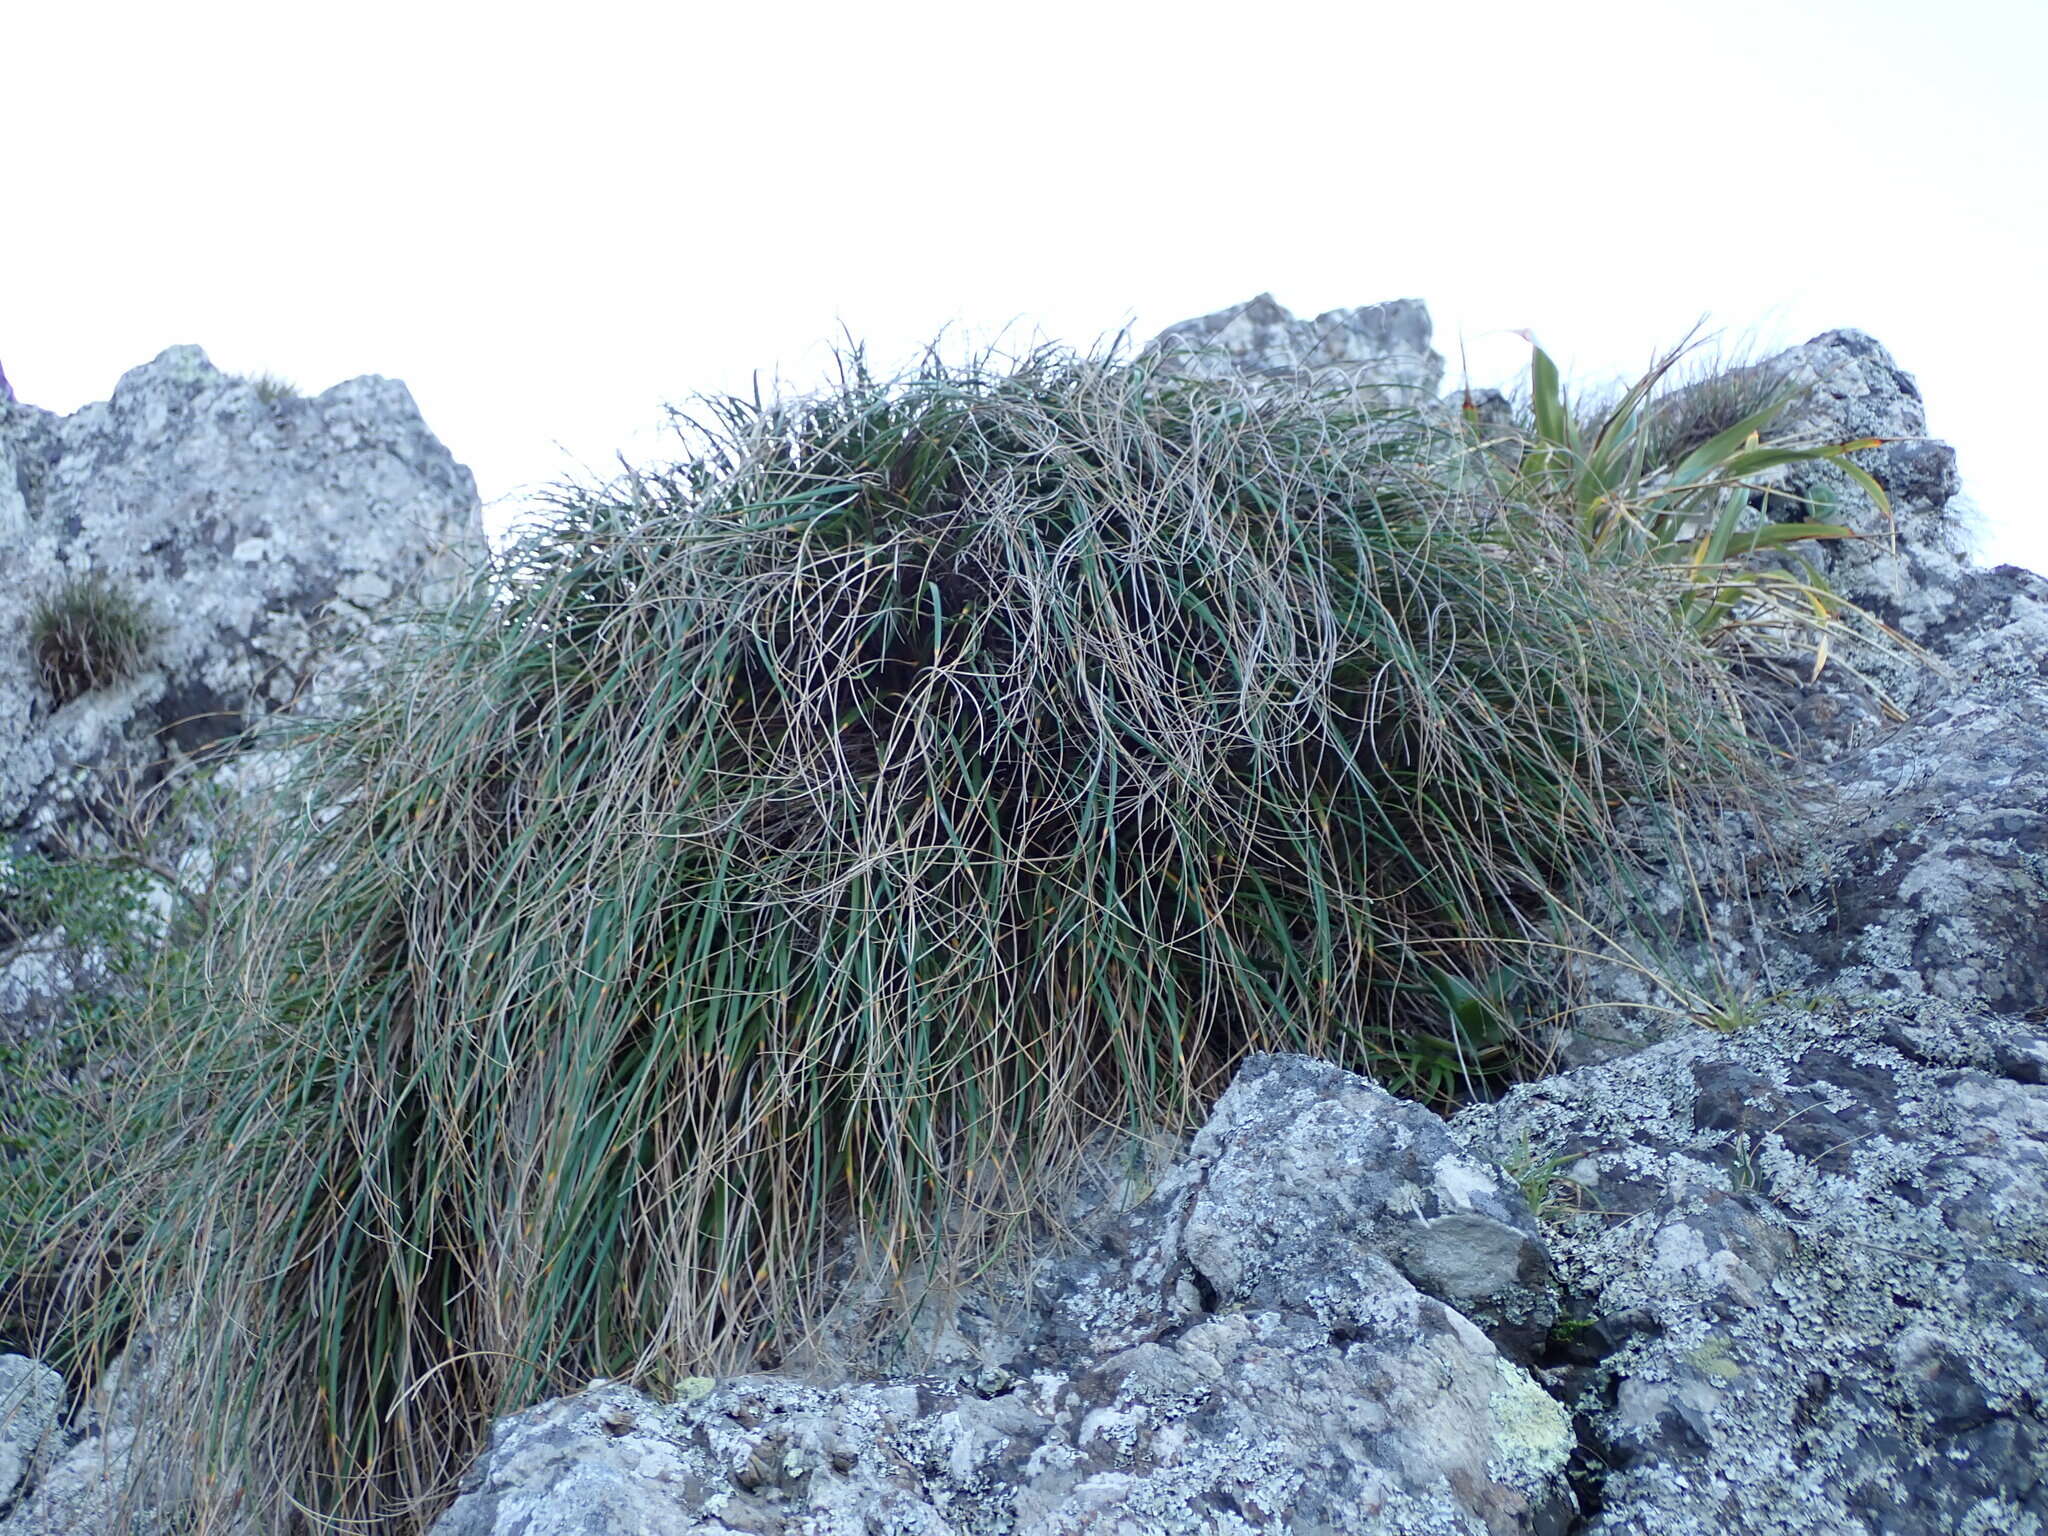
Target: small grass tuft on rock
{"type": "Point", "coordinates": [272, 390]}
{"type": "Point", "coordinates": [88, 634]}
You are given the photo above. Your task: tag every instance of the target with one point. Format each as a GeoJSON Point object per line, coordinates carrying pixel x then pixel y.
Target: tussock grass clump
{"type": "Point", "coordinates": [273, 389]}
{"type": "Point", "coordinates": [88, 634]}
{"type": "Point", "coordinates": [813, 839]}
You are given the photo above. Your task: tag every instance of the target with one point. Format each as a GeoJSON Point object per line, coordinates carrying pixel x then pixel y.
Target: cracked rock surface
{"type": "Point", "coordinates": [1812, 1263]}
{"type": "Point", "coordinates": [1261, 1345]}
{"type": "Point", "coordinates": [261, 538]}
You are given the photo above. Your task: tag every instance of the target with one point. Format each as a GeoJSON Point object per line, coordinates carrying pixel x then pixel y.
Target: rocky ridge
{"type": "Point", "coordinates": [1790, 1275]}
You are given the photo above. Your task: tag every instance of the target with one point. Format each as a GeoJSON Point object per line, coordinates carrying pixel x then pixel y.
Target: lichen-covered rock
{"type": "Point", "coordinates": [1304, 1184]}
{"type": "Point", "coordinates": [1907, 857]}
{"type": "Point", "coordinates": [270, 545]}
{"type": "Point", "coordinates": [256, 536]}
{"type": "Point", "coordinates": [31, 1398]}
{"type": "Point", "coordinates": [238, 523]}
{"type": "Point", "coordinates": [1931, 874]}
{"type": "Point", "coordinates": [1806, 1271]}
{"type": "Point", "coordinates": [1243, 1421]}
{"type": "Point", "coordinates": [1260, 1345]}
{"type": "Point", "coordinates": [1379, 350]}
{"type": "Point", "coordinates": [1907, 570]}
{"type": "Point", "coordinates": [1817, 1252]}
{"type": "Point", "coordinates": [83, 1484]}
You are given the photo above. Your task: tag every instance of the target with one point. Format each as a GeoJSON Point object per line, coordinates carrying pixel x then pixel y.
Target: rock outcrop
{"type": "Point", "coordinates": [1785, 1276]}
{"type": "Point", "coordinates": [257, 533]}
{"type": "Point", "coordinates": [1804, 1273]}
{"type": "Point", "coordinates": [1264, 1344]}
{"type": "Point", "coordinates": [1381, 350]}
{"type": "Point", "coordinates": [1791, 1278]}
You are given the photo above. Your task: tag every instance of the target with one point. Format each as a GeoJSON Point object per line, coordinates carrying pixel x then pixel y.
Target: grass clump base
{"type": "Point", "coordinates": [88, 634]}
{"type": "Point", "coordinates": [805, 843]}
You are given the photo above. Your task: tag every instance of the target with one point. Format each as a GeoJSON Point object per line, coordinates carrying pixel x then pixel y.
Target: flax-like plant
{"type": "Point", "coordinates": [1643, 480]}
{"type": "Point", "coordinates": [801, 846]}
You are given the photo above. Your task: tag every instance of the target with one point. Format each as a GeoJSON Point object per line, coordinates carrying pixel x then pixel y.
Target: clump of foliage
{"type": "Point", "coordinates": [89, 919]}
{"type": "Point", "coordinates": [88, 634]}
{"type": "Point", "coordinates": [273, 390]}
{"type": "Point", "coordinates": [1669, 476]}
{"type": "Point", "coordinates": [806, 842]}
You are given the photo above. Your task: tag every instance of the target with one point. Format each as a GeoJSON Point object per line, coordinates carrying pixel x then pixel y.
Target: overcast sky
{"type": "Point", "coordinates": [549, 220]}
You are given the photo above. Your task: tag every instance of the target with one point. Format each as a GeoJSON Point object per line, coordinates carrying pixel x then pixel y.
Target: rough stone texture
{"type": "Point", "coordinates": [1806, 1277]}
{"type": "Point", "coordinates": [239, 524]}
{"type": "Point", "coordinates": [1303, 1185]}
{"type": "Point", "coordinates": [1906, 572]}
{"type": "Point", "coordinates": [31, 1398]}
{"type": "Point", "coordinates": [1246, 1351]}
{"type": "Point", "coordinates": [83, 1486]}
{"type": "Point", "coordinates": [1814, 1256]}
{"type": "Point", "coordinates": [1381, 349]}
{"type": "Point", "coordinates": [1932, 875]}
{"type": "Point", "coordinates": [259, 537]}
{"type": "Point", "coordinates": [1901, 857]}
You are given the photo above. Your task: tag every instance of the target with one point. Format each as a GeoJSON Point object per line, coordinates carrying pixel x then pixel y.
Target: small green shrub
{"type": "Point", "coordinates": [88, 634]}
{"type": "Point", "coordinates": [806, 843]}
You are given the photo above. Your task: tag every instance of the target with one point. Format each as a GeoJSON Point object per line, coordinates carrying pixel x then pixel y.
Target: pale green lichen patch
{"type": "Point", "coordinates": [1532, 1435]}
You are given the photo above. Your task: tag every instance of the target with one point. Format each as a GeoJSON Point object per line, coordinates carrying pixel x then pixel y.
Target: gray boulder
{"type": "Point", "coordinates": [1804, 1274]}
{"type": "Point", "coordinates": [31, 1400]}
{"type": "Point", "coordinates": [1305, 1184]}
{"type": "Point", "coordinates": [240, 524]}
{"type": "Point", "coordinates": [1930, 873]}
{"type": "Point", "coordinates": [267, 542]}
{"type": "Point", "coordinates": [1808, 1270]}
{"type": "Point", "coordinates": [1906, 571]}
{"type": "Point", "coordinates": [272, 544]}
{"type": "Point", "coordinates": [1379, 350]}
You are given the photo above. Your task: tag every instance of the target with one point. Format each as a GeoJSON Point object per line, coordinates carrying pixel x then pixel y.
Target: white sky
{"type": "Point", "coordinates": [548, 220]}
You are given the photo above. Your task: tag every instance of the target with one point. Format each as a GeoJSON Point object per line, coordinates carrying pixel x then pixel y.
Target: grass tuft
{"type": "Point", "coordinates": [272, 389]}
{"type": "Point", "coordinates": [88, 634]}
{"type": "Point", "coordinates": [804, 843]}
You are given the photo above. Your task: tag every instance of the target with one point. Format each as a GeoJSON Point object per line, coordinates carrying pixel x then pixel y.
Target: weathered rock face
{"type": "Point", "coordinates": [1810, 1264]}
{"type": "Point", "coordinates": [31, 1398]}
{"type": "Point", "coordinates": [1260, 1345]}
{"type": "Point", "coordinates": [1380, 349]}
{"type": "Point", "coordinates": [240, 524]}
{"type": "Point", "coordinates": [1906, 572]}
{"type": "Point", "coordinates": [1303, 1187]}
{"type": "Point", "coordinates": [257, 535]}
